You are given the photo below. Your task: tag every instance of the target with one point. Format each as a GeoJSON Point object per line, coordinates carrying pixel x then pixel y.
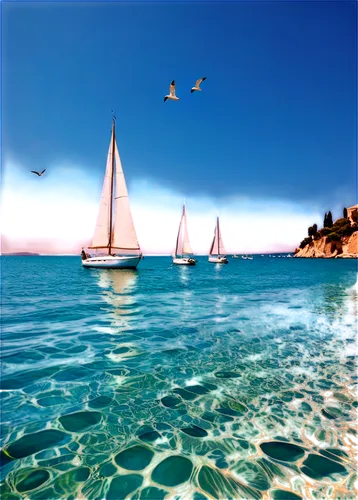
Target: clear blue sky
{"type": "Point", "coordinates": [276, 118]}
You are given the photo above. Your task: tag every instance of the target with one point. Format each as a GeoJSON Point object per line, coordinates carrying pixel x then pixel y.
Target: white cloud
{"type": "Point", "coordinates": [35, 218]}
{"type": "Point", "coordinates": [73, 221]}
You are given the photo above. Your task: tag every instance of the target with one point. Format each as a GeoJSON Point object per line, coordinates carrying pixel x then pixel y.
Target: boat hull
{"type": "Point", "coordinates": [184, 262]}
{"type": "Point", "coordinates": [112, 262]}
{"type": "Point", "coordinates": [218, 260]}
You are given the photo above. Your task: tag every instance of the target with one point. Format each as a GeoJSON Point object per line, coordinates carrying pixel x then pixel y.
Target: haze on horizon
{"type": "Point", "coordinates": [270, 142]}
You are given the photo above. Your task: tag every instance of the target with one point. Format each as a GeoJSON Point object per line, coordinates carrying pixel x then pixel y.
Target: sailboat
{"type": "Point", "coordinates": [114, 242]}
{"type": "Point", "coordinates": [183, 249]}
{"type": "Point", "coordinates": [217, 250]}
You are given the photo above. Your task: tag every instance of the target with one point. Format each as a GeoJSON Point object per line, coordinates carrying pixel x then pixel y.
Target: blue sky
{"type": "Point", "coordinates": [276, 119]}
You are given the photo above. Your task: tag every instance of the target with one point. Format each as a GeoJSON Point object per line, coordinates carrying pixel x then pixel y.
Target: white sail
{"type": "Point", "coordinates": [217, 246]}
{"type": "Point", "coordinates": [183, 244]}
{"type": "Point", "coordinates": [124, 239]}
{"type": "Point", "coordinates": [101, 232]}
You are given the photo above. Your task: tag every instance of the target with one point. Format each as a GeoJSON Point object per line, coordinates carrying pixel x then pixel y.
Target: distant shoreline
{"type": "Point", "coordinates": [22, 254]}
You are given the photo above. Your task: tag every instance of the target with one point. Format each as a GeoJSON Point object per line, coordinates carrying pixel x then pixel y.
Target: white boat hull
{"type": "Point", "coordinates": [218, 260]}
{"type": "Point", "coordinates": [184, 261]}
{"type": "Point", "coordinates": [112, 262]}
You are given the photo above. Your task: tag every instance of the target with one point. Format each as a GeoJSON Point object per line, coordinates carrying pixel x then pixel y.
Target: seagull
{"type": "Point", "coordinates": [37, 173]}
{"type": "Point", "coordinates": [171, 93]}
{"type": "Point", "coordinates": [197, 83]}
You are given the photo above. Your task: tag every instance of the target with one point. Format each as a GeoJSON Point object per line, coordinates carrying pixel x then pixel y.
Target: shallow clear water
{"type": "Point", "coordinates": [231, 381]}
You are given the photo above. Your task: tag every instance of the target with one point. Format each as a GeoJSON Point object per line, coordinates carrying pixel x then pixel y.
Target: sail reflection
{"type": "Point", "coordinates": [118, 289]}
{"type": "Point", "coordinates": [184, 274]}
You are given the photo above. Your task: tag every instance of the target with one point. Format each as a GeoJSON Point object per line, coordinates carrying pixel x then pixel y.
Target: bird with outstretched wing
{"type": "Point", "coordinates": [38, 173]}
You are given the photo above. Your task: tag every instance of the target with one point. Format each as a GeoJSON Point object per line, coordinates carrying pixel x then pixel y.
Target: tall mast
{"type": "Point", "coordinates": [218, 233]}
{"type": "Point", "coordinates": [181, 221]}
{"type": "Point", "coordinates": [112, 178]}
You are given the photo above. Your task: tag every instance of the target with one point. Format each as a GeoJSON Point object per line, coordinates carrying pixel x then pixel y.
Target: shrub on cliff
{"type": "Point", "coordinates": [342, 227]}
{"type": "Point", "coordinates": [312, 230]}
{"type": "Point", "coordinates": [341, 222]}
{"type": "Point", "coordinates": [345, 213]}
{"type": "Point", "coordinates": [323, 232]}
{"type": "Point", "coordinates": [346, 230]}
{"type": "Point", "coordinates": [333, 237]}
{"type": "Point", "coordinates": [305, 242]}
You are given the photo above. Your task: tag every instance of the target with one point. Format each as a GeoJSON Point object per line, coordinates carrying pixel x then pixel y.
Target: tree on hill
{"type": "Point", "coordinates": [312, 230]}
{"type": "Point", "coordinates": [345, 213]}
{"type": "Point", "coordinates": [329, 219]}
{"type": "Point", "coordinates": [325, 220]}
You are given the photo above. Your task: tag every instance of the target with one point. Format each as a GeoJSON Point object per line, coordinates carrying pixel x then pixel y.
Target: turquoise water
{"type": "Point", "coordinates": [232, 381]}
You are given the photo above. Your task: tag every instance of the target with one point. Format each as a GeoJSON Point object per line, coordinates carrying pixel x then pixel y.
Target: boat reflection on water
{"type": "Point", "coordinates": [118, 289]}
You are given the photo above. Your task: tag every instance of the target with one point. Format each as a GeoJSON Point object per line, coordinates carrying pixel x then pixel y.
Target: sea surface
{"type": "Point", "coordinates": [205, 382]}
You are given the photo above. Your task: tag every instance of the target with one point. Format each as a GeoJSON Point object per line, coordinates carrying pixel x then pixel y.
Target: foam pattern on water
{"type": "Point", "coordinates": [209, 382]}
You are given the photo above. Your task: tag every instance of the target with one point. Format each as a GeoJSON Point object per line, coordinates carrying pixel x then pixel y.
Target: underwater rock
{"type": "Point", "coordinates": [76, 422]}
{"type": "Point", "coordinates": [172, 471]}
{"type": "Point", "coordinates": [122, 486]}
{"type": "Point", "coordinates": [149, 436]}
{"type": "Point", "coordinates": [170, 401]}
{"type": "Point", "coordinates": [134, 458]}
{"type": "Point", "coordinates": [285, 452]}
{"type": "Point", "coordinates": [33, 480]}
{"type": "Point", "coordinates": [225, 374]}
{"type": "Point", "coordinates": [194, 431]}
{"type": "Point", "coordinates": [318, 467]}
{"type": "Point", "coordinates": [32, 443]}
{"type": "Point", "coordinates": [284, 495]}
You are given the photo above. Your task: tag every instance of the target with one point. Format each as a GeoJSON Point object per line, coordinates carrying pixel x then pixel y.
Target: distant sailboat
{"type": "Point", "coordinates": [183, 249]}
{"type": "Point", "coordinates": [217, 254]}
{"type": "Point", "coordinates": [114, 241]}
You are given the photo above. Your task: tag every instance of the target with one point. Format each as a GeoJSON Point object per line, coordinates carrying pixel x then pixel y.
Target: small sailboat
{"type": "Point", "coordinates": [250, 257]}
{"type": "Point", "coordinates": [217, 250]}
{"type": "Point", "coordinates": [183, 249]}
{"type": "Point", "coordinates": [244, 257]}
{"type": "Point", "coordinates": [115, 241]}
{"type": "Point", "coordinates": [235, 257]}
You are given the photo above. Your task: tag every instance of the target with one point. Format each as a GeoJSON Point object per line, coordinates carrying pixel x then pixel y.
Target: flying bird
{"type": "Point", "coordinates": [38, 173]}
{"type": "Point", "coordinates": [197, 84]}
{"type": "Point", "coordinates": [171, 93]}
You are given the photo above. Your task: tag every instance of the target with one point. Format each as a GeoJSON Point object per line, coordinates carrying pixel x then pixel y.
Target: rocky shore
{"type": "Point", "coordinates": [337, 239]}
{"type": "Point", "coordinates": [346, 248]}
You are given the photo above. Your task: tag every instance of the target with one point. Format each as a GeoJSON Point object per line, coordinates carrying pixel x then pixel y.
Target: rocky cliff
{"type": "Point", "coordinates": [346, 248]}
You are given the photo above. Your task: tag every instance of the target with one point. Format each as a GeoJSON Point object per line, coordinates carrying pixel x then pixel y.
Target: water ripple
{"type": "Point", "coordinates": [208, 382]}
